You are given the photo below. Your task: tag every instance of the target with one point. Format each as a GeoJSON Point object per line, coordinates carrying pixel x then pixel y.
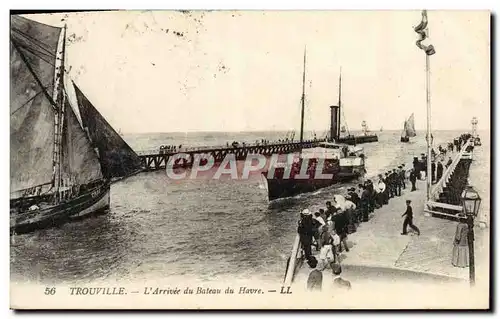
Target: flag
{"type": "Point", "coordinates": [422, 30]}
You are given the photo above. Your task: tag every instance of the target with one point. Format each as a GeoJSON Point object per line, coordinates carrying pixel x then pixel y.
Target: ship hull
{"type": "Point", "coordinates": [283, 188]}
{"type": "Point", "coordinates": [93, 201]}
{"type": "Point", "coordinates": [354, 140]}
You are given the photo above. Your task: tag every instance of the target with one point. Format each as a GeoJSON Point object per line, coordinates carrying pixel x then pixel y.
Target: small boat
{"type": "Point", "coordinates": [342, 129]}
{"type": "Point", "coordinates": [61, 168]}
{"type": "Point", "coordinates": [408, 129]}
{"type": "Point", "coordinates": [381, 129]}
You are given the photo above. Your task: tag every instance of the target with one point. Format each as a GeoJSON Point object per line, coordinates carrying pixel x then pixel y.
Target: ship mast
{"type": "Point", "coordinates": [340, 106]}
{"type": "Point", "coordinates": [59, 99]}
{"type": "Point", "coordinates": [303, 100]}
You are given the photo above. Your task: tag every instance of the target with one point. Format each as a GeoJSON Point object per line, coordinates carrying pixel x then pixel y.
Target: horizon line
{"type": "Point", "coordinates": [285, 130]}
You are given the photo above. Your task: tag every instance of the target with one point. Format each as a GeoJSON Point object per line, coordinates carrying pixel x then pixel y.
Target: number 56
{"type": "Point", "coordinates": [50, 291]}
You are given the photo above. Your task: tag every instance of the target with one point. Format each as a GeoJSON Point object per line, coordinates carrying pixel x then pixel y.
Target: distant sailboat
{"type": "Point", "coordinates": [381, 128]}
{"type": "Point", "coordinates": [408, 129]}
{"type": "Point", "coordinates": [342, 129]}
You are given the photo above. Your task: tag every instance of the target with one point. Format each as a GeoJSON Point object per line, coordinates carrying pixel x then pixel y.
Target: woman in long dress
{"type": "Point", "coordinates": [460, 257]}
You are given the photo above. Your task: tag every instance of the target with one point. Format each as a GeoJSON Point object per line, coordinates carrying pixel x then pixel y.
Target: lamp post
{"type": "Point", "coordinates": [470, 205]}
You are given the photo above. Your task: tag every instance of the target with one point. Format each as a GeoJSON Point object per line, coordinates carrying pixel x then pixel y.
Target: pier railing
{"type": "Point", "coordinates": [158, 159]}
{"type": "Point", "coordinates": [222, 147]}
{"type": "Point", "coordinates": [442, 183]}
{"type": "Point", "coordinates": [293, 263]}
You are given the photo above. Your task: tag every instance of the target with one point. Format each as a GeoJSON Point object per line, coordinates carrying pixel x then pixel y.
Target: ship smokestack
{"type": "Point", "coordinates": [334, 122]}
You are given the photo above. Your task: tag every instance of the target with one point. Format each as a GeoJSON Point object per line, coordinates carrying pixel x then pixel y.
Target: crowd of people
{"type": "Point", "coordinates": [166, 149]}
{"type": "Point", "coordinates": [327, 229]}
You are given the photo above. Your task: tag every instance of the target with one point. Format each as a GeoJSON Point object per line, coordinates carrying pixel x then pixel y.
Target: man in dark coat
{"type": "Point", "coordinates": [423, 164]}
{"type": "Point", "coordinates": [409, 219]}
{"type": "Point", "coordinates": [341, 221]}
{"type": "Point", "coordinates": [396, 184]}
{"type": "Point", "coordinates": [387, 185]}
{"type": "Point", "coordinates": [416, 166]}
{"type": "Point", "coordinates": [433, 172]}
{"type": "Point", "coordinates": [365, 198]}
{"type": "Point", "coordinates": [330, 208]}
{"type": "Point", "coordinates": [413, 180]}
{"type": "Point", "coordinates": [306, 232]}
{"type": "Point", "coordinates": [354, 197]}
{"type": "Point", "coordinates": [439, 171]}
{"type": "Point", "coordinates": [402, 175]}
{"type": "Point", "coordinates": [371, 193]}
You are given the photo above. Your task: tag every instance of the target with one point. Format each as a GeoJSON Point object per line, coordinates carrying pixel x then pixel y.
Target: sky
{"type": "Point", "coordinates": [171, 71]}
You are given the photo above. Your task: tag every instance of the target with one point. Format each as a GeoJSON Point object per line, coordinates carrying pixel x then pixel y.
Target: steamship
{"type": "Point", "coordinates": [339, 161]}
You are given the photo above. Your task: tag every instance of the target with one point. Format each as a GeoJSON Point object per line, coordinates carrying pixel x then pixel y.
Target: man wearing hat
{"type": "Point", "coordinates": [353, 196]}
{"type": "Point", "coordinates": [396, 182]}
{"type": "Point", "coordinates": [416, 166]}
{"type": "Point", "coordinates": [402, 175]}
{"type": "Point", "coordinates": [409, 219]}
{"type": "Point", "coordinates": [306, 232]}
{"type": "Point", "coordinates": [385, 177]}
{"type": "Point", "coordinates": [364, 203]}
{"type": "Point", "coordinates": [371, 195]}
{"type": "Point", "coordinates": [413, 180]}
{"type": "Point", "coordinates": [382, 200]}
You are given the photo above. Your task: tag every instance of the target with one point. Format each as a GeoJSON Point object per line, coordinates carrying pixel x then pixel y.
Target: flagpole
{"type": "Point", "coordinates": [429, 135]}
{"type": "Point", "coordinates": [429, 50]}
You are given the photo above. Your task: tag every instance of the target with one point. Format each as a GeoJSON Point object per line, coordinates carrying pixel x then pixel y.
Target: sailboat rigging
{"type": "Point", "coordinates": [58, 172]}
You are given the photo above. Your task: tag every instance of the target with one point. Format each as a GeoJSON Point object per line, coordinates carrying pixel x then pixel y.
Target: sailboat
{"type": "Point", "coordinates": [342, 129]}
{"type": "Point", "coordinates": [381, 128]}
{"type": "Point", "coordinates": [343, 162]}
{"type": "Point", "coordinates": [408, 129]}
{"type": "Point", "coordinates": [61, 169]}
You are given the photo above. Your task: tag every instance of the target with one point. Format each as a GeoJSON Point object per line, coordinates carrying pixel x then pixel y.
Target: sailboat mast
{"type": "Point", "coordinates": [59, 98]}
{"type": "Point", "coordinates": [303, 100]}
{"type": "Point", "coordinates": [340, 102]}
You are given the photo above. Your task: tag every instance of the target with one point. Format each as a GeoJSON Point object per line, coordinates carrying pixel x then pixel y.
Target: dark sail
{"type": "Point", "coordinates": [116, 157]}
{"type": "Point", "coordinates": [33, 48]}
{"type": "Point", "coordinates": [79, 164]}
{"type": "Point", "coordinates": [38, 44]}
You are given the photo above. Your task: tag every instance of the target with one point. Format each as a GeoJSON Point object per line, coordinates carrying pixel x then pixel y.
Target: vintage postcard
{"type": "Point", "coordinates": [250, 160]}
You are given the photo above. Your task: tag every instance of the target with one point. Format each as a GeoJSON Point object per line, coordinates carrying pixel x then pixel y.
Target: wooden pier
{"type": "Point", "coordinates": [153, 161]}
{"type": "Point", "coordinates": [442, 202]}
